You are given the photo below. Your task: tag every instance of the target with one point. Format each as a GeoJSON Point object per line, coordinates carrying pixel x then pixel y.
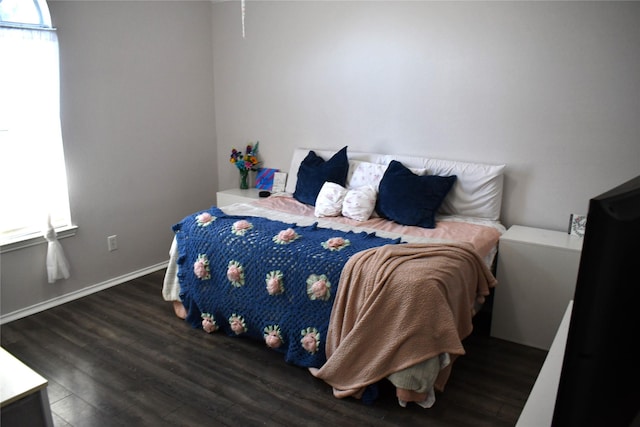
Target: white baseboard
{"type": "Point", "coordinates": [36, 308]}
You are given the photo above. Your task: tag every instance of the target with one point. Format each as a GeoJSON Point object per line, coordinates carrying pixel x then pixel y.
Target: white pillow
{"type": "Point", "coordinates": [367, 173]}
{"type": "Point", "coordinates": [477, 192]}
{"type": "Point", "coordinates": [364, 173]}
{"type": "Point", "coordinates": [329, 200]}
{"type": "Point", "coordinates": [359, 203]}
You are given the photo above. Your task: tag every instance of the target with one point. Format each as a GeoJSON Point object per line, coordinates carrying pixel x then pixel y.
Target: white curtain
{"type": "Point", "coordinates": [57, 265]}
{"type": "Point", "coordinates": [33, 181]}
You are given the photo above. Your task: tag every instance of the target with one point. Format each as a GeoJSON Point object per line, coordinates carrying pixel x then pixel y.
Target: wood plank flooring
{"type": "Point", "coordinates": [120, 357]}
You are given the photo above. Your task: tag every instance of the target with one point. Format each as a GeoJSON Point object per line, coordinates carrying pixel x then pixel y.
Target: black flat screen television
{"type": "Point", "coordinates": [600, 377]}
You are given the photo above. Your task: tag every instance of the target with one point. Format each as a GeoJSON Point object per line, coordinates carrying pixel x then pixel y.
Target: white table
{"type": "Point", "coordinates": [537, 273]}
{"type": "Point", "coordinates": [23, 394]}
{"type": "Point", "coordinates": [236, 195]}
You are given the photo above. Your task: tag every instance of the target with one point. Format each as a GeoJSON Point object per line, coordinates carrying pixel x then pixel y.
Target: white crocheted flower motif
{"type": "Point", "coordinates": [336, 243]}
{"type": "Point", "coordinates": [310, 339]}
{"type": "Point", "coordinates": [239, 228]}
{"type": "Point", "coordinates": [273, 336]}
{"type": "Point", "coordinates": [235, 273]}
{"type": "Point", "coordinates": [237, 323]}
{"type": "Point", "coordinates": [205, 219]}
{"type": "Point", "coordinates": [274, 280]}
{"type": "Point", "coordinates": [286, 236]}
{"type": "Point", "coordinates": [208, 323]}
{"type": "Point", "coordinates": [318, 287]}
{"type": "Point", "coordinates": [201, 267]}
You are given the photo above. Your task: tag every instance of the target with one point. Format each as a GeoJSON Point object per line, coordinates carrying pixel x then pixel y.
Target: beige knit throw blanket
{"type": "Point", "coordinates": [398, 305]}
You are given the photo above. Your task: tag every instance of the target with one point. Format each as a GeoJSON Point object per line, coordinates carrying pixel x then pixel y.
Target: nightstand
{"type": "Point", "coordinates": [537, 272]}
{"type": "Point", "coordinates": [236, 195]}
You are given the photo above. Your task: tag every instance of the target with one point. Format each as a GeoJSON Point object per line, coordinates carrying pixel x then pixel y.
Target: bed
{"type": "Point", "coordinates": [368, 266]}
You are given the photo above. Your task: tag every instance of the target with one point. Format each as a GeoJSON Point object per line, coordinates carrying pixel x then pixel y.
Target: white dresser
{"type": "Point", "coordinates": [537, 272]}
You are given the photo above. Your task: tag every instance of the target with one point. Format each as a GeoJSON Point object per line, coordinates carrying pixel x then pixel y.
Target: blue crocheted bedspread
{"type": "Point", "coordinates": [264, 279]}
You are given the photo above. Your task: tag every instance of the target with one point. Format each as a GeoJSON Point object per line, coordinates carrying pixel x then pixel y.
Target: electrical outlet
{"type": "Point", "coordinates": [112, 243]}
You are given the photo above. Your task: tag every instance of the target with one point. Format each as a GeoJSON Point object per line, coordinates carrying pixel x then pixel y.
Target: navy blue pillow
{"type": "Point", "coordinates": [314, 171]}
{"type": "Point", "coordinates": [411, 199]}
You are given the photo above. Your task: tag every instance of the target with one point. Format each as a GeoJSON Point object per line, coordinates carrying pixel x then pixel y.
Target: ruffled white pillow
{"type": "Point", "coordinates": [359, 203]}
{"type": "Point", "coordinates": [329, 200]}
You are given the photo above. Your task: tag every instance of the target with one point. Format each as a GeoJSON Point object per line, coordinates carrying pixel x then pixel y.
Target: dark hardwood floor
{"type": "Point", "coordinates": [120, 357]}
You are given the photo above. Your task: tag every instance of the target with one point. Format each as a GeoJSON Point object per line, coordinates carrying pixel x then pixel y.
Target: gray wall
{"type": "Point", "coordinates": [552, 89]}
{"type": "Point", "coordinates": [139, 139]}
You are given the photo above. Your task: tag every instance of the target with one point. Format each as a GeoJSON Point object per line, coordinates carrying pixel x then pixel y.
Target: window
{"type": "Point", "coordinates": [30, 13]}
{"type": "Point", "coordinates": [33, 182]}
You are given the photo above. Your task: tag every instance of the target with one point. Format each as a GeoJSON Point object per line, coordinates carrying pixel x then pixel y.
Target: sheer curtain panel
{"type": "Point", "coordinates": [33, 185]}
